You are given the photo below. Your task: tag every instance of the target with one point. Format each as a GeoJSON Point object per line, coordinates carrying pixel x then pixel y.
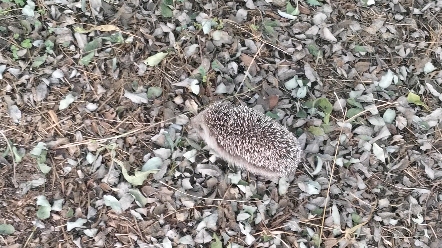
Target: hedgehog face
{"type": "Point", "coordinates": [199, 124]}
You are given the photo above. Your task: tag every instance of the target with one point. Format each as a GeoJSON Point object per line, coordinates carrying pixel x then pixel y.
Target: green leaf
{"type": "Point", "coordinates": [64, 104]}
{"type": "Point", "coordinates": [80, 30]}
{"type": "Point", "coordinates": [379, 152]}
{"type": "Point", "coordinates": [291, 10]}
{"type": "Point", "coordinates": [78, 223]}
{"type": "Point", "coordinates": [271, 23]}
{"type": "Point", "coordinates": [327, 128]}
{"type": "Point", "coordinates": [424, 125]}
{"type": "Point", "coordinates": [309, 104]}
{"type": "Point", "coordinates": [267, 238]}
{"type": "Point", "coordinates": [14, 51]}
{"type": "Point", "coordinates": [413, 98]}
{"type": "Point", "coordinates": [217, 243]}
{"type": "Point", "coordinates": [29, 8]}
{"type": "Point", "coordinates": [289, 7]}
{"type": "Point", "coordinates": [18, 156]}
{"type": "Point", "coordinates": [216, 65]}
{"type": "Point", "coordinates": [58, 205]}
{"type": "Point", "coordinates": [26, 43]}
{"type": "Point", "coordinates": [112, 202]}
{"type": "Point", "coordinates": [86, 59]}
{"type": "Point", "coordinates": [170, 144]}
{"type": "Point", "coordinates": [44, 209]}
{"type": "Point", "coordinates": [272, 115]}
{"type": "Point", "coordinates": [37, 23]}
{"type": "Point", "coordinates": [115, 38]}
{"type": "Point", "coordinates": [317, 131]}
{"type": "Point", "coordinates": [301, 114]}
{"type": "Point", "coordinates": [43, 212]}
{"type": "Point", "coordinates": [386, 79]}
{"type": "Point", "coordinates": [21, 3]}
{"type": "Point", "coordinates": [166, 11]}
{"type": "Point", "coordinates": [234, 177]}
{"type": "Point", "coordinates": [389, 116]}
{"type": "Point", "coordinates": [416, 99]}
{"type": "Point", "coordinates": [139, 198]}
{"type": "Point", "coordinates": [6, 229]}
{"type": "Point", "coordinates": [92, 46]}
{"type": "Point", "coordinates": [316, 240]}
{"type": "Point", "coordinates": [70, 213]}
{"type": "Point", "coordinates": [302, 92]}
{"type": "Point", "coordinates": [314, 3]}
{"type": "Point", "coordinates": [154, 92]}
{"type": "Point", "coordinates": [353, 111]}
{"type": "Point", "coordinates": [269, 27]}
{"type": "Point", "coordinates": [292, 83]}
{"type": "Point", "coordinates": [155, 59]}
{"type": "Point", "coordinates": [38, 149]}
{"type": "Point", "coordinates": [202, 71]}
{"type": "Point", "coordinates": [44, 168]}
{"type": "Point", "coordinates": [429, 67]}
{"type": "Point", "coordinates": [357, 219]}
{"type": "Point", "coordinates": [138, 177]}
{"type": "Point", "coordinates": [39, 61]}
{"type": "Point", "coordinates": [353, 102]}
{"type": "Point", "coordinates": [27, 25]}
{"type": "Point", "coordinates": [313, 49]}
{"type": "Point", "coordinates": [317, 211]}
{"type": "Point", "coordinates": [360, 49]}
{"type": "Point", "coordinates": [326, 107]}
{"type": "Point", "coordinates": [49, 46]}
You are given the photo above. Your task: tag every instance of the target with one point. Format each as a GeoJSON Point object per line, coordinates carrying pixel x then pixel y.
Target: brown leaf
{"type": "Point", "coordinates": [58, 142]}
{"type": "Point", "coordinates": [105, 187]}
{"type": "Point", "coordinates": [106, 28]}
{"type": "Point", "coordinates": [303, 10]}
{"type": "Point", "coordinates": [273, 101]}
{"type": "Point", "coordinates": [246, 59]}
{"type": "Point", "coordinates": [420, 63]}
{"type": "Point", "coordinates": [110, 115]}
{"type": "Point", "coordinates": [249, 62]}
{"type": "Point", "coordinates": [53, 116]}
{"type": "Point", "coordinates": [362, 66]}
{"type": "Point", "coordinates": [330, 242]}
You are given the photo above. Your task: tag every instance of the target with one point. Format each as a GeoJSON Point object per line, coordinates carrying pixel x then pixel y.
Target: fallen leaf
{"type": "Point", "coordinates": [155, 59]}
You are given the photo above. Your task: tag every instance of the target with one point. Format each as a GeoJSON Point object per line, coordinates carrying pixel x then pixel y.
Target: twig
{"type": "Point", "coordinates": [14, 179]}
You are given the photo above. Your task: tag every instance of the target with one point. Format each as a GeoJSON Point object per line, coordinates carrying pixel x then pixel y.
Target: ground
{"type": "Point", "coordinates": [96, 98]}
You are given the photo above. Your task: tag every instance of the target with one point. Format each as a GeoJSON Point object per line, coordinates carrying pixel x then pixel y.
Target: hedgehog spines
{"type": "Point", "coordinates": [248, 139]}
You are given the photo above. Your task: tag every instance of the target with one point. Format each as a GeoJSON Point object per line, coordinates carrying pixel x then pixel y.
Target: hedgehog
{"type": "Point", "coordinates": [248, 139]}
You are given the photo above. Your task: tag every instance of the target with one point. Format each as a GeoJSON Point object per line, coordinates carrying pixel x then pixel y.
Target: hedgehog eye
{"type": "Point", "coordinates": [199, 127]}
